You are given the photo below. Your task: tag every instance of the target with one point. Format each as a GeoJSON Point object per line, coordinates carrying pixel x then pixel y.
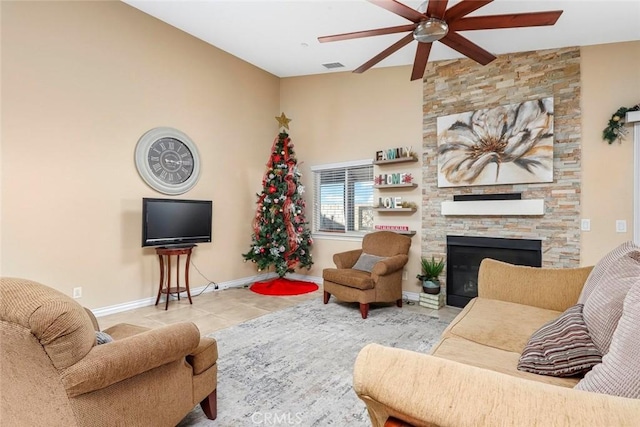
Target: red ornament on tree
{"type": "Point", "coordinates": [276, 158]}
{"type": "Point", "coordinates": [272, 189]}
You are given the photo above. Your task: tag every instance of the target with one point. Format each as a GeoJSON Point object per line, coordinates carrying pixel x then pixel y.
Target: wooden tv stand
{"type": "Point", "coordinates": [165, 253]}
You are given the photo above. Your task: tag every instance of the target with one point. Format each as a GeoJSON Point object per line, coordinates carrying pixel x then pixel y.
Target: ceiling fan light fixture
{"type": "Point", "coordinates": [430, 30]}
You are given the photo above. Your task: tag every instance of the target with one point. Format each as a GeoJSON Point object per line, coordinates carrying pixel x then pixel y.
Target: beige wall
{"type": "Point", "coordinates": [610, 80]}
{"type": "Point", "coordinates": [82, 81]}
{"type": "Point", "coordinates": [343, 117]}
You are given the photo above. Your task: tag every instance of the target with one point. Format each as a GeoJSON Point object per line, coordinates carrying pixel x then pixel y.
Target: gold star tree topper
{"type": "Point", "coordinates": [283, 121]}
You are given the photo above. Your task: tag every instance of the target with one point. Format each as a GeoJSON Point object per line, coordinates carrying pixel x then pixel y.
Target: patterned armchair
{"type": "Point", "coordinates": [371, 274]}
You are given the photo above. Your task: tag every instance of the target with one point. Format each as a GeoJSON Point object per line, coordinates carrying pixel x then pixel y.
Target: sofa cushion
{"type": "Point", "coordinates": [602, 266]}
{"type": "Point", "coordinates": [366, 262]}
{"type": "Point", "coordinates": [619, 372]}
{"type": "Point", "coordinates": [345, 276]}
{"type": "Point", "coordinates": [603, 307]}
{"type": "Point", "coordinates": [494, 359]}
{"type": "Point", "coordinates": [499, 324]}
{"type": "Point", "coordinates": [561, 348]}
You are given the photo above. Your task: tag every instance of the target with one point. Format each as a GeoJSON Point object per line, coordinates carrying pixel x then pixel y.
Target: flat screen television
{"type": "Point", "coordinates": [175, 222]}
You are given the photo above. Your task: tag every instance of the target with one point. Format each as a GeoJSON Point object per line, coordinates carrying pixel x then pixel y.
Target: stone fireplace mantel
{"type": "Point", "coordinates": [493, 207]}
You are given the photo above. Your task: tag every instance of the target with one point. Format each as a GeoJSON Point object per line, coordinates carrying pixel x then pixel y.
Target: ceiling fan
{"type": "Point", "coordinates": [432, 21]}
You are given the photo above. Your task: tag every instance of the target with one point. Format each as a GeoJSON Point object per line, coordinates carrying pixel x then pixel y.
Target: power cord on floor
{"type": "Point", "coordinates": [211, 282]}
{"type": "Point", "coordinates": [407, 301]}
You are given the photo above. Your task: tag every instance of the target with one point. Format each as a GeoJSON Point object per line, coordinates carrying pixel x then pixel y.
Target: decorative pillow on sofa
{"type": "Point", "coordinates": [366, 262]}
{"type": "Point", "coordinates": [603, 307]}
{"type": "Point", "coordinates": [619, 372]}
{"type": "Point", "coordinates": [103, 338]}
{"type": "Point", "coordinates": [561, 348]}
{"type": "Point", "coordinates": [602, 266]}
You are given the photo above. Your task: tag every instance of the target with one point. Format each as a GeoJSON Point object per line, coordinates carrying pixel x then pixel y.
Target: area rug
{"type": "Point", "coordinates": [295, 366]}
{"type": "Point", "coordinates": [281, 286]}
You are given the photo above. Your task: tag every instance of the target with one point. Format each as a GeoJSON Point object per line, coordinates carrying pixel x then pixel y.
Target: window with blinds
{"type": "Point", "coordinates": [343, 199]}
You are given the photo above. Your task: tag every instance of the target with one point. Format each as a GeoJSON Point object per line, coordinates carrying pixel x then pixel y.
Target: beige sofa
{"type": "Point", "coordinates": [53, 373]}
{"type": "Point", "coordinates": [471, 376]}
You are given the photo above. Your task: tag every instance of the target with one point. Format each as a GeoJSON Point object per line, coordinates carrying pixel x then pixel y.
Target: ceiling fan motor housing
{"type": "Point", "coordinates": [430, 30]}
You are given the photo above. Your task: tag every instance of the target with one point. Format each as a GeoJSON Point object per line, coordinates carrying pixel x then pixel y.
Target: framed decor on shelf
{"type": "Point", "coordinates": [508, 144]}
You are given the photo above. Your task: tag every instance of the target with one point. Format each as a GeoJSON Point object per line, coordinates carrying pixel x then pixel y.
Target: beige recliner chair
{"type": "Point", "coordinates": [53, 372]}
{"type": "Point", "coordinates": [383, 280]}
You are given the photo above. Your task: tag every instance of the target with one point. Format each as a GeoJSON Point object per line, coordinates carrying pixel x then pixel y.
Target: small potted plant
{"type": "Point", "coordinates": [431, 269]}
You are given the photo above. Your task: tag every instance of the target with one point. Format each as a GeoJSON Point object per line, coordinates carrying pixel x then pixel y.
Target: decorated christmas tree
{"type": "Point", "coordinates": [281, 237]}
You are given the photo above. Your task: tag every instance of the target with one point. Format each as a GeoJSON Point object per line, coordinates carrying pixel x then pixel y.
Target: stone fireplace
{"type": "Point", "coordinates": [547, 212]}
{"type": "Point", "coordinates": [464, 255]}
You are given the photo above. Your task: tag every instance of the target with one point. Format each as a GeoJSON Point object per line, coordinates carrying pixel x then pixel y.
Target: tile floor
{"type": "Point", "coordinates": [220, 309]}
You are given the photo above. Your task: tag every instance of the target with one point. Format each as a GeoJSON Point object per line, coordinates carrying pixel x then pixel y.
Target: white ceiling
{"type": "Point", "coordinates": [280, 36]}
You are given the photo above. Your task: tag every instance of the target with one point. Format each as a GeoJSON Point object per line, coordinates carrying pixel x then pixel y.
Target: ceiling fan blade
{"type": "Point", "coordinates": [436, 8]}
{"type": "Point", "coordinates": [533, 19]}
{"type": "Point", "coordinates": [466, 47]}
{"type": "Point", "coordinates": [399, 9]}
{"type": "Point", "coordinates": [420, 63]}
{"type": "Point", "coordinates": [388, 51]}
{"type": "Point", "coordinates": [464, 8]}
{"type": "Point", "coordinates": [367, 33]}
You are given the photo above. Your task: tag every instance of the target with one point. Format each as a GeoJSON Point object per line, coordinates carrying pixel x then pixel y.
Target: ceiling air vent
{"type": "Point", "coordinates": [332, 65]}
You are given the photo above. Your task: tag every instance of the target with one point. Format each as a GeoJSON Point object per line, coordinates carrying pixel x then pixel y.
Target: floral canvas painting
{"type": "Point", "coordinates": [509, 144]}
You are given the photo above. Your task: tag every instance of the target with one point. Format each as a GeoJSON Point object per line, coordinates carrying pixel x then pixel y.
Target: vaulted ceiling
{"type": "Point", "coordinates": [281, 36]}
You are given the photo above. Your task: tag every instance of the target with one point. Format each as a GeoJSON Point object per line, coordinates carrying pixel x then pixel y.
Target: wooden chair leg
{"type": "Point", "coordinates": [394, 422]}
{"type": "Point", "coordinates": [326, 297]}
{"type": "Point", "coordinates": [364, 310]}
{"type": "Point", "coordinates": [399, 302]}
{"type": "Point", "coordinates": [210, 405]}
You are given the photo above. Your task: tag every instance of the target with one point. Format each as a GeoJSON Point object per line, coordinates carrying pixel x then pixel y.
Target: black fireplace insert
{"type": "Point", "coordinates": [464, 255]}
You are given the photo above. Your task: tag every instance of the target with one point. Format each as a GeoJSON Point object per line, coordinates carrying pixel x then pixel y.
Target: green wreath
{"type": "Point", "coordinates": [615, 129]}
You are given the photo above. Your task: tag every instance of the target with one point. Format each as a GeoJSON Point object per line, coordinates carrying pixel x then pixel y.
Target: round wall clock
{"type": "Point", "coordinates": [168, 160]}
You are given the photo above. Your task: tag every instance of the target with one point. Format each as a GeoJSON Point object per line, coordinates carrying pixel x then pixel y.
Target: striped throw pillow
{"type": "Point", "coordinates": [561, 348]}
{"type": "Point", "coordinates": [619, 372]}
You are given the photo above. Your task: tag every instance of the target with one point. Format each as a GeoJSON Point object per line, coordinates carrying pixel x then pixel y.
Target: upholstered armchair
{"type": "Point", "coordinates": [371, 274]}
{"type": "Point", "coordinates": [54, 373]}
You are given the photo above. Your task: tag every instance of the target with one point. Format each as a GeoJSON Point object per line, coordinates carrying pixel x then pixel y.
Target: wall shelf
{"type": "Point", "coordinates": [383, 186]}
{"type": "Point", "coordinates": [403, 232]}
{"type": "Point", "coordinates": [401, 187]}
{"type": "Point", "coordinates": [398, 160]}
{"type": "Point", "coordinates": [395, 209]}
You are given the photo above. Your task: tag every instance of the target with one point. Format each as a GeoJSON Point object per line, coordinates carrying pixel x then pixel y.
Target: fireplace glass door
{"type": "Point", "coordinates": [464, 255]}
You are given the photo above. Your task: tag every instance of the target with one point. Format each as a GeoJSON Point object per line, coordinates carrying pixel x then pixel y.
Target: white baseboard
{"type": "Point", "coordinates": [315, 279]}
{"type": "Point", "coordinates": [238, 283]}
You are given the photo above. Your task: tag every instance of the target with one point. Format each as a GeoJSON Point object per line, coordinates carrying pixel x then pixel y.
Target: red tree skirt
{"type": "Point", "coordinates": [280, 286]}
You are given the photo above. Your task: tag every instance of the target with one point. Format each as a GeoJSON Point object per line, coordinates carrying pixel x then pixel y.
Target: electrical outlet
{"type": "Point", "coordinates": [77, 292]}
{"type": "Point", "coordinates": [404, 274]}
{"type": "Point", "coordinates": [585, 225]}
{"type": "Point", "coordinates": [621, 226]}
